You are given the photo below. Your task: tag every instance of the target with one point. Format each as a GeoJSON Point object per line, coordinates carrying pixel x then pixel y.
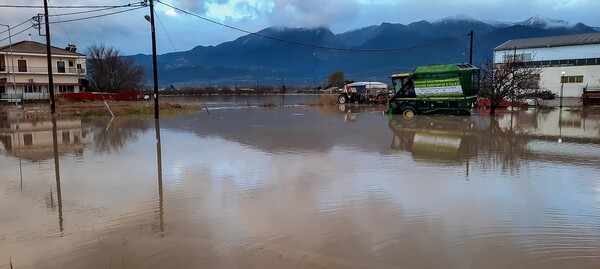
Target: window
{"type": "Point", "coordinates": [60, 65]}
{"type": "Point", "coordinates": [28, 140]}
{"type": "Point", "coordinates": [523, 57]}
{"type": "Point", "coordinates": [32, 89]}
{"type": "Point", "coordinates": [22, 65]}
{"type": "Point", "coordinates": [567, 62]}
{"type": "Point", "coordinates": [571, 79]}
{"type": "Point", "coordinates": [71, 63]}
{"type": "Point", "coordinates": [66, 137]}
{"type": "Point", "coordinates": [66, 88]}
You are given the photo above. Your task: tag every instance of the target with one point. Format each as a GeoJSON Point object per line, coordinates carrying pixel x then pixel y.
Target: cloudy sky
{"type": "Point", "coordinates": [129, 32]}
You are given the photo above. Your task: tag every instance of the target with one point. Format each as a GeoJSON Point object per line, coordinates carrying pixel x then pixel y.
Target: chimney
{"type": "Point", "coordinates": [71, 48]}
{"type": "Point", "coordinates": [29, 37]}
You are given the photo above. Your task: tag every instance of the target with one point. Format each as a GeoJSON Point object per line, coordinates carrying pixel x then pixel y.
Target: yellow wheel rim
{"type": "Point", "coordinates": [408, 114]}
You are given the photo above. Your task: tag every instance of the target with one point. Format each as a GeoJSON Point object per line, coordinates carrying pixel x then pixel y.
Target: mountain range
{"type": "Point", "coordinates": [306, 56]}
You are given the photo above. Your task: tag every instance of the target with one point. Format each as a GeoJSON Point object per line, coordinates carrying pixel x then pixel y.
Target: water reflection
{"type": "Point", "coordinates": [161, 209]}
{"type": "Point", "coordinates": [302, 187]}
{"type": "Point", "coordinates": [57, 173]}
{"type": "Point", "coordinates": [506, 142]}
{"type": "Point", "coordinates": [112, 134]}
{"type": "Point", "coordinates": [31, 137]}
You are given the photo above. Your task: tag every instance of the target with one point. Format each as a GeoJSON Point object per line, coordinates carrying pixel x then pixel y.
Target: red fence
{"type": "Point", "coordinates": [97, 96]}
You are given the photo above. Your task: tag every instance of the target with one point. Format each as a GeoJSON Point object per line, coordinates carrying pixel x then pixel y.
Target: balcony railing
{"type": "Point", "coordinates": [42, 70]}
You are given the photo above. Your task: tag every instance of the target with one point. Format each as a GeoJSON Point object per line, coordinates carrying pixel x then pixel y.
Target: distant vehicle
{"type": "Point", "coordinates": [364, 92]}
{"type": "Point", "coordinates": [435, 89]}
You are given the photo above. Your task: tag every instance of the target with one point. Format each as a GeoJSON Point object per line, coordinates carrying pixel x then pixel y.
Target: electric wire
{"type": "Point", "coordinates": [98, 16]}
{"type": "Point", "coordinates": [12, 35]}
{"type": "Point", "coordinates": [167, 33]}
{"type": "Point", "coordinates": [305, 44]}
{"type": "Point", "coordinates": [62, 25]}
{"type": "Point", "coordinates": [16, 26]}
{"type": "Point", "coordinates": [84, 12]}
{"type": "Point", "coordinates": [64, 21]}
{"type": "Point", "coordinates": [74, 7]}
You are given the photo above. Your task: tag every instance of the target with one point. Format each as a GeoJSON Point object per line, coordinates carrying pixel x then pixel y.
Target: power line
{"type": "Point", "coordinates": [305, 44]}
{"type": "Point", "coordinates": [167, 33]}
{"type": "Point", "coordinates": [83, 12]}
{"type": "Point", "coordinates": [98, 16]}
{"type": "Point", "coordinates": [63, 26]}
{"type": "Point", "coordinates": [89, 6]}
{"type": "Point", "coordinates": [71, 20]}
{"type": "Point", "coordinates": [13, 27]}
{"type": "Point", "coordinates": [17, 33]}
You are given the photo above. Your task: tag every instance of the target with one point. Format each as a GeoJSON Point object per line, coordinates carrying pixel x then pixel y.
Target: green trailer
{"type": "Point", "coordinates": [435, 89]}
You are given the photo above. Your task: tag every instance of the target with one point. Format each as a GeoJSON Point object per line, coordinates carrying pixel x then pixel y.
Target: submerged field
{"type": "Point", "coordinates": [246, 186]}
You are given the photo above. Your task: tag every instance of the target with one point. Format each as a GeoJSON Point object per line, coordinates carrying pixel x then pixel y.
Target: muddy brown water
{"type": "Point", "coordinates": [301, 187]}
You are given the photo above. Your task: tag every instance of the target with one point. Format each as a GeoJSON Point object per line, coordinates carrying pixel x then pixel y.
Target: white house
{"type": "Point", "coordinates": [24, 70]}
{"type": "Point", "coordinates": [578, 56]}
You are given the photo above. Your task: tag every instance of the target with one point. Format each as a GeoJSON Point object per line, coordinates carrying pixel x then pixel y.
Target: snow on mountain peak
{"type": "Point", "coordinates": [545, 22]}
{"type": "Point", "coordinates": [455, 18]}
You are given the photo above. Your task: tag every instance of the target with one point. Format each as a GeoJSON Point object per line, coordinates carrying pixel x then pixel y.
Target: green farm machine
{"type": "Point", "coordinates": [435, 89]}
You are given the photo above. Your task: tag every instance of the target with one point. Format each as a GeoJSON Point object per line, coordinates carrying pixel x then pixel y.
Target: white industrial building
{"type": "Point", "coordinates": [578, 56]}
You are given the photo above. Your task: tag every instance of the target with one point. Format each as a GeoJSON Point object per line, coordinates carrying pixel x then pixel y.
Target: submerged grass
{"type": "Point", "coordinates": [126, 109]}
{"type": "Point", "coordinates": [326, 100]}
{"type": "Point", "coordinates": [269, 105]}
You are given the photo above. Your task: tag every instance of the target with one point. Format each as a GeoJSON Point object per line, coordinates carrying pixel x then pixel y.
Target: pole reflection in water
{"type": "Point", "coordinates": [161, 210]}
{"type": "Point", "coordinates": [57, 173]}
{"type": "Point", "coordinates": [560, 125]}
{"type": "Point", "coordinates": [18, 149]}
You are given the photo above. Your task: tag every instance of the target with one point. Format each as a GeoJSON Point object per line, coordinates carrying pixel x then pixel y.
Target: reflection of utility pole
{"type": "Point", "coordinates": [562, 84]}
{"type": "Point", "coordinates": [161, 210]}
{"type": "Point", "coordinates": [19, 149]}
{"type": "Point", "coordinates": [560, 125]}
{"type": "Point", "coordinates": [57, 173]}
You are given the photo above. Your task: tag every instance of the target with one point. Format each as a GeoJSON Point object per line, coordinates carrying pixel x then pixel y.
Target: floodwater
{"type": "Point", "coordinates": [301, 187]}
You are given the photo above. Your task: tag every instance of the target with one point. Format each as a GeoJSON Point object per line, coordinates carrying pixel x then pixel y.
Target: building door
{"type": "Point", "coordinates": [22, 65]}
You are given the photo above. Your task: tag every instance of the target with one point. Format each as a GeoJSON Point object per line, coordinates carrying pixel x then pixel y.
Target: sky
{"type": "Point", "coordinates": [176, 31]}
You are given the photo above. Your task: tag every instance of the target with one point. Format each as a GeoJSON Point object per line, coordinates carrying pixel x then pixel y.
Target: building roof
{"type": "Point", "coordinates": [37, 48]}
{"type": "Point", "coordinates": [551, 41]}
{"type": "Point", "coordinates": [442, 68]}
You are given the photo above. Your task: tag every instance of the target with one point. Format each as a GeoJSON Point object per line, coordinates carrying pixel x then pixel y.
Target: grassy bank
{"type": "Point", "coordinates": [99, 108]}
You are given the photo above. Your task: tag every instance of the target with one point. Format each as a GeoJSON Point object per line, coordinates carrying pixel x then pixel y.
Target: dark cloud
{"type": "Point", "coordinates": [312, 13]}
{"type": "Point", "coordinates": [131, 33]}
{"type": "Point", "coordinates": [191, 5]}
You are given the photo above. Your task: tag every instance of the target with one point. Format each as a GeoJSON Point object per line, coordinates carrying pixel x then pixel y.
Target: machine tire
{"type": "Point", "coordinates": [408, 113]}
{"type": "Point", "coordinates": [462, 113]}
{"type": "Point", "coordinates": [342, 99]}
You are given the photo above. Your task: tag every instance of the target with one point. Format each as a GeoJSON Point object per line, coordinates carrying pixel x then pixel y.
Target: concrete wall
{"type": "Point", "coordinates": [554, 53]}
{"type": "Point", "coordinates": [550, 79]}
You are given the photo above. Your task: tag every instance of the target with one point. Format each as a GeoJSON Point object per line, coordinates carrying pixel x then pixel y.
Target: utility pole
{"type": "Point", "coordinates": [471, 48]}
{"type": "Point", "coordinates": [49, 60]}
{"type": "Point", "coordinates": [12, 63]}
{"type": "Point", "coordinates": [154, 68]}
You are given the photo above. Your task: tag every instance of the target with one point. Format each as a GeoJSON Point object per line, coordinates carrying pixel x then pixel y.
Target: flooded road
{"type": "Point", "coordinates": [301, 187]}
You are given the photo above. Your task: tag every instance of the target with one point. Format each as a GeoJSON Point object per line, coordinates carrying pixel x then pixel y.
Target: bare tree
{"type": "Point", "coordinates": [511, 79]}
{"type": "Point", "coordinates": [111, 72]}
{"type": "Point", "coordinates": [336, 79]}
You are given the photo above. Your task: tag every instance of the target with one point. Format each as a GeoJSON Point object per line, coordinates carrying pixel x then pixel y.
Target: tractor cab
{"type": "Point", "coordinates": [399, 80]}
